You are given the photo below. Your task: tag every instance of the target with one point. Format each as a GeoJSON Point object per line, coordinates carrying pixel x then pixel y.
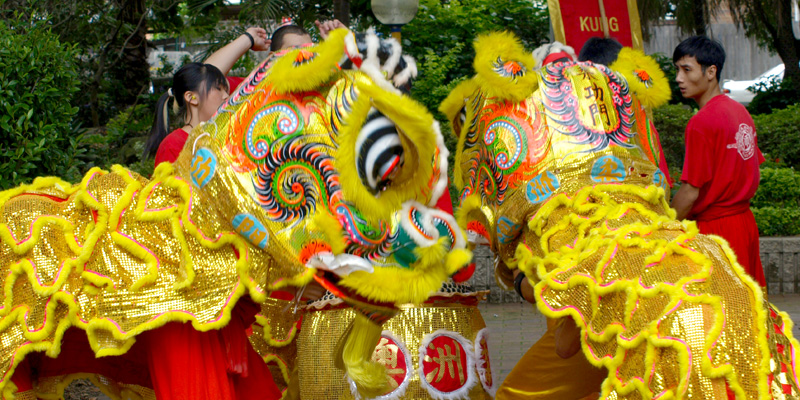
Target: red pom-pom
{"type": "Point", "coordinates": [464, 274]}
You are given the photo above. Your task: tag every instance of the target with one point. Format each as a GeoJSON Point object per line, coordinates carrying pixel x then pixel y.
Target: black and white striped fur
{"type": "Point", "coordinates": [382, 59]}
{"type": "Point", "coordinates": [379, 150]}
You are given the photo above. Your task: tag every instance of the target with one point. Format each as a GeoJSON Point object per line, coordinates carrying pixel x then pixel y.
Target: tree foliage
{"type": "Point", "coordinates": [442, 34]}
{"type": "Point", "coordinates": [768, 21]}
{"type": "Point", "coordinates": [38, 82]}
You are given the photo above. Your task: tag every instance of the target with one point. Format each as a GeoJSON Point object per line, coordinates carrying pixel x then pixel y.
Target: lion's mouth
{"type": "Point", "coordinates": [339, 265]}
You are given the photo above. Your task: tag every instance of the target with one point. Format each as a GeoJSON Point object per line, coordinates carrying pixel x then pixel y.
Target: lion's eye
{"type": "Point", "coordinates": [380, 152]}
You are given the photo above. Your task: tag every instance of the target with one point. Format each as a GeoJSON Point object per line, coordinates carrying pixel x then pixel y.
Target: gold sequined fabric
{"type": "Point", "coordinates": [560, 186]}
{"type": "Point", "coordinates": [274, 338]}
{"type": "Point", "coordinates": [278, 179]}
{"type": "Point", "coordinates": [665, 309]}
{"type": "Point", "coordinates": [320, 379]}
{"type": "Point", "coordinates": [90, 256]}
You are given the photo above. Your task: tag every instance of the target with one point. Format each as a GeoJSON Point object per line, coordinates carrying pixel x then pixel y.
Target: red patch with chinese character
{"type": "Point", "coordinates": [445, 365]}
{"type": "Point", "coordinates": [484, 366]}
{"type": "Point", "coordinates": [393, 356]}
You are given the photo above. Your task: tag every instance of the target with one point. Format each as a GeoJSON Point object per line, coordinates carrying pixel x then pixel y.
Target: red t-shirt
{"type": "Point", "coordinates": [722, 159]}
{"type": "Point", "coordinates": [172, 145]}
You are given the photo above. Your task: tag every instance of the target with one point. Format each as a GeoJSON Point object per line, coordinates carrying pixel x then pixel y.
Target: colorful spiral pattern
{"type": "Point", "coordinates": [293, 179]}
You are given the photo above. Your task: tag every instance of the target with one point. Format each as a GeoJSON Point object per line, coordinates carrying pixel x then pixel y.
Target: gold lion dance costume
{"type": "Point", "coordinates": [315, 168]}
{"type": "Point", "coordinates": [434, 350]}
{"type": "Point", "coordinates": [557, 174]}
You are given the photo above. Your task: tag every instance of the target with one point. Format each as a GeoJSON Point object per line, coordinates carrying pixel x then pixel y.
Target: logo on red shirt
{"type": "Point", "coordinates": [745, 142]}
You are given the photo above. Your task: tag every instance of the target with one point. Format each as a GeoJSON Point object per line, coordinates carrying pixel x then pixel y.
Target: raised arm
{"type": "Point", "coordinates": [225, 57]}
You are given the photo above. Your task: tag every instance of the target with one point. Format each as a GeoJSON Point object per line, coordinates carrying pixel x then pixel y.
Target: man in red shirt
{"type": "Point", "coordinates": [720, 171]}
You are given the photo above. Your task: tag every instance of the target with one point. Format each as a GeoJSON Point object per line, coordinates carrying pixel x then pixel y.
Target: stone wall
{"type": "Point", "coordinates": [780, 257]}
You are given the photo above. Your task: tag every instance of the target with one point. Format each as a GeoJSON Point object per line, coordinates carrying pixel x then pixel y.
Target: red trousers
{"type": "Point", "coordinates": [741, 232]}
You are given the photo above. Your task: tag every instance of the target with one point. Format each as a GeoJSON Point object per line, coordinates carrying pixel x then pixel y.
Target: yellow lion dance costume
{"type": "Point", "coordinates": [291, 180]}
{"type": "Point", "coordinates": [557, 174]}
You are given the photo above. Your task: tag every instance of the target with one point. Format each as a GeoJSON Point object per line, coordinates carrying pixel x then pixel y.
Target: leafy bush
{"type": "Point", "coordinates": [441, 27]}
{"type": "Point", "coordinates": [38, 82]}
{"type": "Point", "coordinates": [775, 204]}
{"type": "Point", "coordinates": [779, 187]}
{"type": "Point", "coordinates": [774, 221]}
{"type": "Point", "coordinates": [778, 135]}
{"type": "Point", "coordinates": [772, 95]}
{"type": "Point", "coordinates": [670, 121]}
{"type": "Point", "coordinates": [122, 141]}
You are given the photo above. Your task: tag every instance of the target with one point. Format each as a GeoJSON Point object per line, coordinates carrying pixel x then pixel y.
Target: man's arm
{"type": "Point", "coordinates": [684, 200]}
{"type": "Point", "coordinates": [225, 57]}
{"type": "Point", "coordinates": [526, 290]}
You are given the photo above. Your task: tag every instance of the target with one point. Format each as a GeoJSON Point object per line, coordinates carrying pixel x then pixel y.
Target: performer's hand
{"type": "Point", "coordinates": [313, 291]}
{"type": "Point", "coordinates": [526, 290]}
{"type": "Point", "coordinates": [326, 27]}
{"type": "Point", "coordinates": [568, 338]}
{"type": "Point", "coordinates": [260, 40]}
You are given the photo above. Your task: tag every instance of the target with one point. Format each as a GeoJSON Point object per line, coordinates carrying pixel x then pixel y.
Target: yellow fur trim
{"type": "Point", "coordinates": [369, 376]}
{"type": "Point", "coordinates": [414, 285]}
{"type": "Point", "coordinates": [332, 229]}
{"type": "Point", "coordinates": [414, 124]}
{"type": "Point", "coordinates": [467, 206]}
{"type": "Point", "coordinates": [499, 50]}
{"type": "Point", "coordinates": [291, 73]}
{"type": "Point", "coordinates": [593, 237]}
{"type": "Point", "coordinates": [454, 101]}
{"type": "Point", "coordinates": [48, 337]}
{"type": "Point", "coordinates": [9, 391]}
{"type": "Point", "coordinates": [451, 107]}
{"type": "Point", "coordinates": [457, 259]}
{"type": "Point", "coordinates": [281, 365]}
{"type": "Point", "coordinates": [644, 76]}
{"type": "Point", "coordinates": [270, 338]}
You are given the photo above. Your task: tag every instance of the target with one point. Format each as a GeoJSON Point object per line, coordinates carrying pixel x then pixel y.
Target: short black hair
{"type": "Point", "coordinates": [600, 50]}
{"type": "Point", "coordinates": [277, 36]}
{"type": "Point", "coordinates": [708, 52]}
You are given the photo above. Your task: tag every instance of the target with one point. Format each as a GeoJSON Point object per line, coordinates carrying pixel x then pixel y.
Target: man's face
{"type": "Point", "coordinates": [294, 40]}
{"type": "Point", "coordinates": [692, 80]}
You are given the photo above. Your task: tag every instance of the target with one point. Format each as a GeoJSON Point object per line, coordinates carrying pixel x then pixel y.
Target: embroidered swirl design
{"type": "Point", "coordinates": [293, 179]}
{"type": "Point", "coordinates": [287, 123]}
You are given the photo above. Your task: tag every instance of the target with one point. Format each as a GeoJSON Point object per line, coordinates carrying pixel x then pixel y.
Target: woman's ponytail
{"type": "Point", "coordinates": [160, 128]}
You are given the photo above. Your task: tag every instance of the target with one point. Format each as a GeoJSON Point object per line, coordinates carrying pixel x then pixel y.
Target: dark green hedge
{"type": "Point", "coordinates": [38, 81]}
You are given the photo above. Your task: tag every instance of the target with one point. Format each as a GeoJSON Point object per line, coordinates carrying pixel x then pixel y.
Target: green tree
{"type": "Point", "coordinates": [38, 82]}
{"type": "Point", "coordinates": [440, 38]}
{"type": "Point", "coordinates": [110, 37]}
{"type": "Point", "coordinates": [768, 21]}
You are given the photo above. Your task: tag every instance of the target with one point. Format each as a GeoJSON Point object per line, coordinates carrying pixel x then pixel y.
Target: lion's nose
{"type": "Point", "coordinates": [380, 152]}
